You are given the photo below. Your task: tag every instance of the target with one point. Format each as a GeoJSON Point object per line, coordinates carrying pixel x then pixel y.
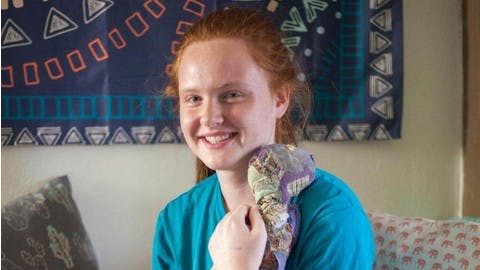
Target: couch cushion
{"type": "Point", "coordinates": [44, 230]}
{"type": "Point", "coordinates": [419, 243]}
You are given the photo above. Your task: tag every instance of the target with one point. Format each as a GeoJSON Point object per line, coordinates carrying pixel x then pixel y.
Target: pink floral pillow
{"type": "Point", "coordinates": [419, 243]}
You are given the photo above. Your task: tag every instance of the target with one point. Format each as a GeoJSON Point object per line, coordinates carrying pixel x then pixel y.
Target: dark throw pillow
{"type": "Point", "coordinates": [43, 230]}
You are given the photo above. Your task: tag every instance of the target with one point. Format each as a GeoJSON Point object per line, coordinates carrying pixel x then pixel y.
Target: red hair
{"type": "Point", "coordinates": [264, 41]}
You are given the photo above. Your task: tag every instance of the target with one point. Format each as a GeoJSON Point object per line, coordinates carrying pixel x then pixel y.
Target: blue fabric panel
{"type": "Point", "coordinates": [92, 71]}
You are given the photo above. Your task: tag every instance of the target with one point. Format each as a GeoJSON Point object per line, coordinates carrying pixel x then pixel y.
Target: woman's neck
{"type": "Point", "coordinates": [235, 189]}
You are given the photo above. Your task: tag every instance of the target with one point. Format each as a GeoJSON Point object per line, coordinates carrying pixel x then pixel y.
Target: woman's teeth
{"type": "Point", "coordinates": [216, 139]}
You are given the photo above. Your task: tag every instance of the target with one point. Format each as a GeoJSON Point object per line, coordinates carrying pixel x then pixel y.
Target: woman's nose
{"type": "Point", "coordinates": [212, 114]}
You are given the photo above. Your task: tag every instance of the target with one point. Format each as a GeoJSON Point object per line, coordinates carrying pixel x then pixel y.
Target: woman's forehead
{"type": "Point", "coordinates": [214, 57]}
{"type": "Point", "coordinates": [218, 46]}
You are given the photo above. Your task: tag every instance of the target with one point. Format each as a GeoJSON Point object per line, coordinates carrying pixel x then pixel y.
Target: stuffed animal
{"type": "Point", "coordinates": [276, 173]}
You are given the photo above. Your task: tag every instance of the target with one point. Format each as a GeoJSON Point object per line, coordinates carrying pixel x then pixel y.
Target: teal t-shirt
{"type": "Point", "coordinates": [335, 232]}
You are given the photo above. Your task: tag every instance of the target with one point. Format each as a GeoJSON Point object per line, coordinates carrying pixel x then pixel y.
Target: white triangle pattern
{"type": "Point", "coordinates": [380, 133]}
{"type": "Point", "coordinates": [94, 8]}
{"type": "Point", "coordinates": [295, 23]}
{"type": "Point", "coordinates": [383, 20]}
{"type": "Point", "coordinates": [376, 4]}
{"type": "Point", "coordinates": [57, 23]}
{"type": "Point", "coordinates": [49, 135]}
{"type": "Point", "coordinates": [337, 134]}
{"type": "Point", "coordinates": [359, 132]}
{"type": "Point", "coordinates": [13, 36]}
{"type": "Point", "coordinates": [317, 133]}
{"type": "Point", "coordinates": [120, 136]}
{"type": "Point", "coordinates": [7, 135]}
{"type": "Point", "coordinates": [378, 42]}
{"type": "Point", "coordinates": [97, 135]}
{"type": "Point", "coordinates": [143, 134]}
{"type": "Point", "coordinates": [311, 6]}
{"type": "Point", "coordinates": [383, 107]}
{"type": "Point", "coordinates": [25, 137]}
{"type": "Point", "coordinates": [290, 43]}
{"type": "Point", "coordinates": [166, 136]}
{"type": "Point", "coordinates": [73, 137]}
{"type": "Point", "coordinates": [383, 64]}
{"type": "Point", "coordinates": [379, 86]}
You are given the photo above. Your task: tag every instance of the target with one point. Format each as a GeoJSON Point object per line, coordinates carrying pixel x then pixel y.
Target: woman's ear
{"type": "Point", "coordinates": [282, 101]}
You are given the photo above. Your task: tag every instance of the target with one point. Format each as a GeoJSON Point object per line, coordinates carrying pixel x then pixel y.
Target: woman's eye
{"type": "Point", "coordinates": [232, 95]}
{"type": "Point", "coordinates": [192, 99]}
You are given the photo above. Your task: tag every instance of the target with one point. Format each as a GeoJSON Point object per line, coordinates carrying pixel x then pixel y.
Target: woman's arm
{"type": "Point", "coordinates": [162, 255]}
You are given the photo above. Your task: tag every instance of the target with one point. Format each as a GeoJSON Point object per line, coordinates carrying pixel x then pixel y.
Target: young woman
{"type": "Point", "coordinates": [237, 90]}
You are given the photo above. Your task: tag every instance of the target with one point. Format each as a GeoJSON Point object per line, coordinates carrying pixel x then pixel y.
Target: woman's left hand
{"type": "Point", "coordinates": [239, 240]}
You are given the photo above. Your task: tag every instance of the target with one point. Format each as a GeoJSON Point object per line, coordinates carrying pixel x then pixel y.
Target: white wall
{"type": "Point", "coordinates": [120, 189]}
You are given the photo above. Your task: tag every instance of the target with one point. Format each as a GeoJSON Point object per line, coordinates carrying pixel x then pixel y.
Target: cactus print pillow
{"type": "Point", "coordinates": [44, 230]}
{"type": "Point", "coordinates": [419, 243]}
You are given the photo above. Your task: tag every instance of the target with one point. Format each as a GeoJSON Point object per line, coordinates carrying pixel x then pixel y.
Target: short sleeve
{"type": "Point", "coordinates": [184, 227]}
{"type": "Point", "coordinates": [162, 252]}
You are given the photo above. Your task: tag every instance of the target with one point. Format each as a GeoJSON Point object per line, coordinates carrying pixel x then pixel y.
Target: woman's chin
{"type": "Point", "coordinates": [240, 164]}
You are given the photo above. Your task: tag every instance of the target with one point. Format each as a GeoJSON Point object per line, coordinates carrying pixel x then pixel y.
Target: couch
{"type": "Point", "coordinates": [421, 243]}
{"type": "Point", "coordinates": [43, 229]}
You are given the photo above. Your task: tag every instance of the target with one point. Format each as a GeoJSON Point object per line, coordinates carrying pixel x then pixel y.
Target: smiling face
{"type": "Point", "coordinates": [226, 107]}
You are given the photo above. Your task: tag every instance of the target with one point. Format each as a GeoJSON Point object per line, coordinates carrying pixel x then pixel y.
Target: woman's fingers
{"type": "Point", "coordinates": [240, 213]}
{"type": "Point", "coordinates": [256, 221]}
{"type": "Point", "coordinates": [238, 219]}
{"type": "Point", "coordinates": [238, 241]}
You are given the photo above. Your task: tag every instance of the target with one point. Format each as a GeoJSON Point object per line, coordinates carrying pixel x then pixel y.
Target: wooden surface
{"type": "Point", "coordinates": [471, 194]}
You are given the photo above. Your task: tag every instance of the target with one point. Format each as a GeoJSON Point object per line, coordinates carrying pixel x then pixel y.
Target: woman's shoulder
{"type": "Point", "coordinates": [329, 193]}
{"type": "Point", "coordinates": [335, 232]}
{"type": "Point", "coordinates": [201, 192]}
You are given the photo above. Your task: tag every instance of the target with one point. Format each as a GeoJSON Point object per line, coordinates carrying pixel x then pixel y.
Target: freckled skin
{"type": "Point", "coordinates": [224, 92]}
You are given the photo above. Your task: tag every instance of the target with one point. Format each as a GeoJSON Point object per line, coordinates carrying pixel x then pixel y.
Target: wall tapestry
{"type": "Point", "coordinates": [92, 71]}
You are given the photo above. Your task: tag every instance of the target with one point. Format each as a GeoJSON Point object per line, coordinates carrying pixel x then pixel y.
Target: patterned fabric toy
{"type": "Point", "coordinates": [276, 173]}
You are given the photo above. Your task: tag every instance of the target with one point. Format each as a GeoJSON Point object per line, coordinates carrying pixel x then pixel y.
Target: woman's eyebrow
{"type": "Point", "coordinates": [222, 86]}
{"type": "Point", "coordinates": [231, 84]}
{"type": "Point", "coordinates": [187, 90]}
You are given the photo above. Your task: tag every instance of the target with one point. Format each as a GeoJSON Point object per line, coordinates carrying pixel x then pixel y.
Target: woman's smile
{"type": "Point", "coordinates": [217, 141]}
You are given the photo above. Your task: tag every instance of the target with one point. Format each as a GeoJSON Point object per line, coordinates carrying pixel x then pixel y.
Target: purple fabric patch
{"type": "Point", "coordinates": [278, 172]}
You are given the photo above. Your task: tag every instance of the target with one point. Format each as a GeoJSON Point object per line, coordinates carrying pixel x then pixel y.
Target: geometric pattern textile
{"type": "Point", "coordinates": [92, 71]}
